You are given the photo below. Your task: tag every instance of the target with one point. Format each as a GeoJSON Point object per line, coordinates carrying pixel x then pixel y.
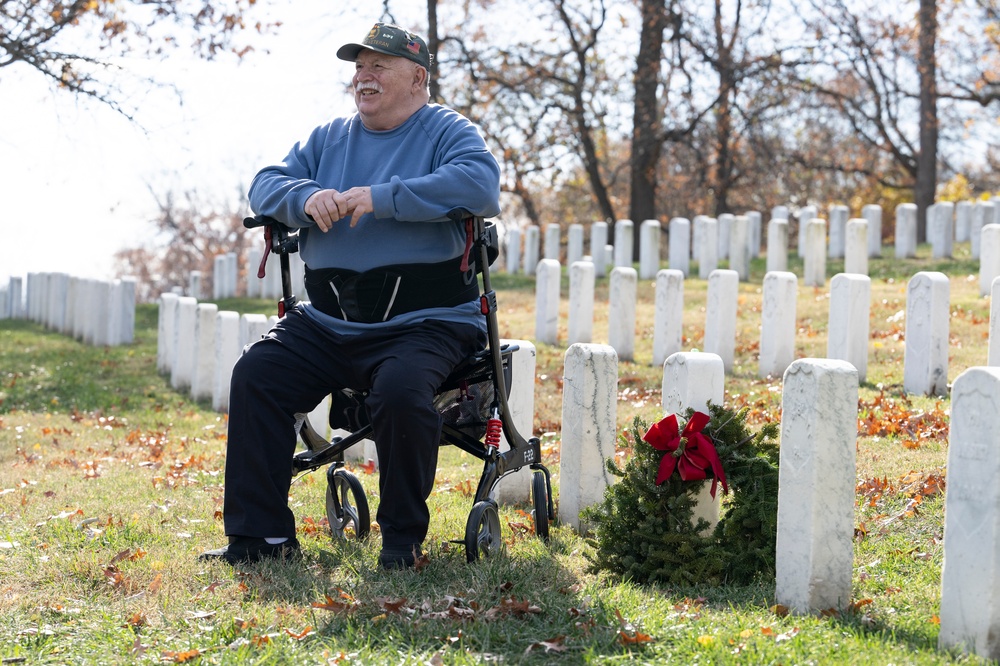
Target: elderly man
{"type": "Point", "coordinates": [389, 310]}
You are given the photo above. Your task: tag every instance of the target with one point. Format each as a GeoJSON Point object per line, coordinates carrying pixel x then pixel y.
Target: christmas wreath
{"type": "Point", "coordinates": [644, 528]}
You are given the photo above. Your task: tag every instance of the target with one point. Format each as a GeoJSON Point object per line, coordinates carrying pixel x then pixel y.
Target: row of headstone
{"type": "Point", "coordinates": [855, 238]}
{"type": "Point", "coordinates": [96, 312]}
{"type": "Point", "coordinates": [270, 285]}
{"type": "Point", "coordinates": [742, 232]}
{"type": "Point", "coordinates": [12, 299]}
{"type": "Point", "coordinates": [707, 240]}
{"type": "Point", "coordinates": [737, 238]}
{"type": "Point", "coordinates": [927, 316]}
{"type": "Point", "coordinates": [197, 345]}
{"type": "Point", "coordinates": [225, 269]}
{"type": "Point", "coordinates": [814, 547]}
{"type": "Point", "coordinates": [225, 272]}
{"type": "Point", "coordinates": [959, 222]}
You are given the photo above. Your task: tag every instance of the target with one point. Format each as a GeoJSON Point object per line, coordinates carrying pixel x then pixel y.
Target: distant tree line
{"type": "Point", "coordinates": [651, 109]}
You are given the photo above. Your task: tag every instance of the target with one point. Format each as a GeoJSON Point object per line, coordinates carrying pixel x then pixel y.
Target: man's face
{"type": "Point", "coordinates": [384, 89]}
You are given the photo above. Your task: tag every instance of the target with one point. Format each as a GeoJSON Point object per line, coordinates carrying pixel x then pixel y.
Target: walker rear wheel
{"type": "Point", "coordinates": [482, 532]}
{"type": "Point", "coordinates": [346, 504]}
{"type": "Point", "coordinates": [540, 502]}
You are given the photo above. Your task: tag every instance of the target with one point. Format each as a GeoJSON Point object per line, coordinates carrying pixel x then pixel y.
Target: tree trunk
{"type": "Point", "coordinates": [926, 186]}
{"type": "Point", "coordinates": [593, 166]}
{"type": "Point", "coordinates": [646, 140]}
{"type": "Point", "coordinates": [723, 116]}
{"type": "Point", "coordinates": [433, 44]}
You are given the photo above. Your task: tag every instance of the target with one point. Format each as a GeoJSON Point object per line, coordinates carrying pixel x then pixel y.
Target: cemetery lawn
{"type": "Point", "coordinates": [111, 484]}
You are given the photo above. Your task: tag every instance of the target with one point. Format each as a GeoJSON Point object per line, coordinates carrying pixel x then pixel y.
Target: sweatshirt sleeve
{"type": "Point", "coordinates": [281, 190]}
{"type": "Point", "coordinates": [464, 175]}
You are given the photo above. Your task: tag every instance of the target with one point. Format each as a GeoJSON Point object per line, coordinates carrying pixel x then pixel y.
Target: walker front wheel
{"type": "Point", "coordinates": [482, 532]}
{"type": "Point", "coordinates": [540, 502]}
{"type": "Point", "coordinates": [346, 504]}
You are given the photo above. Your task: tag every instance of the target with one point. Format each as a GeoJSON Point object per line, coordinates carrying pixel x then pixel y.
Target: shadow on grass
{"type": "Point", "coordinates": [528, 605]}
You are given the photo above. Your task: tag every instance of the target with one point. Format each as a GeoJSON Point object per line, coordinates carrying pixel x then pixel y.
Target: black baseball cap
{"type": "Point", "coordinates": [389, 39]}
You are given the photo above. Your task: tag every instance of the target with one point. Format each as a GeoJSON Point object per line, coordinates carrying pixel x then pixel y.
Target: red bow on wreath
{"type": "Point", "coordinates": [690, 451]}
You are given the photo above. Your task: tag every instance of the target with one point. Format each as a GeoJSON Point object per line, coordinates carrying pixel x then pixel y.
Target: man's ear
{"type": "Point", "coordinates": [419, 76]}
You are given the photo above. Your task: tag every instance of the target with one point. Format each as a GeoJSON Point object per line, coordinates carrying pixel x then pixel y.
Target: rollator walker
{"type": "Point", "coordinates": [472, 402]}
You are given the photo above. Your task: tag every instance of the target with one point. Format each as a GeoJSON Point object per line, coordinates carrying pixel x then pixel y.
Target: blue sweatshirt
{"type": "Point", "coordinates": [432, 163]}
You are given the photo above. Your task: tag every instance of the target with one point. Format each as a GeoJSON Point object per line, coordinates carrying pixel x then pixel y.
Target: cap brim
{"type": "Point", "coordinates": [349, 52]}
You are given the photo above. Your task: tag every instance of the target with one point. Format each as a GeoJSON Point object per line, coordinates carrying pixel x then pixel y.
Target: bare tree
{"type": "Point", "coordinates": [734, 47]}
{"type": "Point", "coordinates": [745, 103]}
{"type": "Point", "coordinates": [542, 102]}
{"type": "Point", "coordinates": [879, 72]}
{"type": "Point", "coordinates": [74, 44]}
{"type": "Point", "coordinates": [189, 234]}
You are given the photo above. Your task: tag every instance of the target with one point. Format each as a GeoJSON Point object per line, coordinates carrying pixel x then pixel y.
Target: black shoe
{"type": "Point", "coordinates": [243, 550]}
{"type": "Point", "coordinates": [399, 557]}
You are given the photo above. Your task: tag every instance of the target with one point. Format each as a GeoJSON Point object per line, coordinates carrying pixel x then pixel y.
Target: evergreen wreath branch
{"type": "Point", "coordinates": [646, 532]}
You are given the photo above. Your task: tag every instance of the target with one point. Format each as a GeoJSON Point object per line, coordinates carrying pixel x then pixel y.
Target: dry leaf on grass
{"type": "Point", "coordinates": [549, 645]}
{"type": "Point", "coordinates": [345, 604]}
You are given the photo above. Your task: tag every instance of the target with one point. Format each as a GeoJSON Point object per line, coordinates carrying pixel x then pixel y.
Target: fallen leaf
{"type": "Point", "coordinates": [456, 610]}
{"type": "Point", "coordinates": [243, 625]}
{"type": "Point", "coordinates": [200, 615]}
{"type": "Point", "coordinates": [788, 635]}
{"type": "Point", "coordinates": [124, 555]}
{"type": "Point", "coordinates": [138, 619]}
{"type": "Point", "coordinates": [332, 604]}
{"type": "Point", "coordinates": [302, 634]}
{"type": "Point", "coordinates": [452, 640]}
{"type": "Point", "coordinates": [634, 639]}
{"type": "Point", "coordinates": [113, 576]}
{"type": "Point", "coordinates": [180, 657]}
{"type": "Point", "coordinates": [420, 560]}
{"type": "Point", "coordinates": [138, 648]}
{"type": "Point", "coordinates": [549, 645]}
{"type": "Point", "coordinates": [780, 610]}
{"type": "Point", "coordinates": [860, 603]}
{"type": "Point", "coordinates": [511, 606]}
{"type": "Point", "coordinates": [391, 605]}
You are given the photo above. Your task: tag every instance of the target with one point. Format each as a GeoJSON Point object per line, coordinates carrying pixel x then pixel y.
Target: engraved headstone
{"type": "Point", "coordinates": [816, 477]}
{"type": "Point", "coordinates": [589, 431]}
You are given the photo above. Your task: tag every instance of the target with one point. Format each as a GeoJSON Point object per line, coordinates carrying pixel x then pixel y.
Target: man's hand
{"type": "Point", "coordinates": [328, 206]}
{"type": "Point", "coordinates": [359, 202]}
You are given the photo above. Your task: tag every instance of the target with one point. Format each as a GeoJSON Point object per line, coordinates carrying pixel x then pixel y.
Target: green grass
{"type": "Point", "coordinates": [111, 484]}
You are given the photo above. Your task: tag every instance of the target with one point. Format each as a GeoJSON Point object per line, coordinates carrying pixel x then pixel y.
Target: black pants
{"type": "Point", "coordinates": [295, 366]}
